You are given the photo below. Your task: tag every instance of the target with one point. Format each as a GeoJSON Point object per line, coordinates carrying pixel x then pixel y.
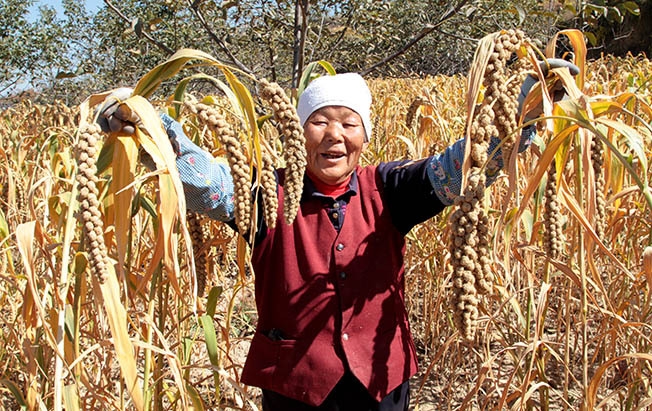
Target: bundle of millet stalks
{"type": "Point", "coordinates": [496, 116]}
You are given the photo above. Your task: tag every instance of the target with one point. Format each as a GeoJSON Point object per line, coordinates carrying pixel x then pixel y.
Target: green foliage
{"type": "Point", "coordinates": [65, 57]}
{"type": "Point", "coordinates": [607, 22]}
{"type": "Point", "coordinates": [24, 46]}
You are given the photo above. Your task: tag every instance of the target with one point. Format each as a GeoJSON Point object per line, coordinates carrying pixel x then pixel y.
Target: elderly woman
{"type": "Point", "coordinates": [332, 331]}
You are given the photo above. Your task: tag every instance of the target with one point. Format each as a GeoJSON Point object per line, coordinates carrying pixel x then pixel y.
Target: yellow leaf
{"type": "Point", "coordinates": [576, 210]}
{"type": "Point", "coordinates": [634, 140]}
{"type": "Point", "coordinates": [579, 48]}
{"type": "Point", "coordinates": [117, 317]}
{"type": "Point", "coordinates": [125, 156]}
{"type": "Point", "coordinates": [592, 391]}
{"type": "Point", "coordinates": [150, 81]}
{"type": "Point", "coordinates": [172, 202]}
{"type": "Point", "coordinates": [542, 166]}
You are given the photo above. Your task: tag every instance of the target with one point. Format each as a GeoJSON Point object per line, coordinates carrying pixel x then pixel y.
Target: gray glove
{"type": "Point", "coordinates": [113, 116]}
{"type": "Point", "coordinates": [557, 91]}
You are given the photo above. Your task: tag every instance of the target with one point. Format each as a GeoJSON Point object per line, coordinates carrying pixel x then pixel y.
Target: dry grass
{"type": "Point", "coordinates": [560, 333]}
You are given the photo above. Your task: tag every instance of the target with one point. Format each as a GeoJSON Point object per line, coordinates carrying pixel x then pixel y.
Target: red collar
{"type": "Point", "coordinates": [328, 189]}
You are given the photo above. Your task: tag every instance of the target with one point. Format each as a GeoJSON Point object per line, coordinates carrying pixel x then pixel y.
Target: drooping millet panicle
{"type": "Point", "coordinates": [412, 111]}
{"type": "Point", "coordinates": [208, 144]}
{"type": "Point", "coordinates": [21, 201]}
{"type": "Point", "coordinates": [646, 262]}
{"type": "Point", "coordinates": [597, 160]}
{"type": "Point", "coordinates": [237, 159]}
{"type": "Point", "coordinates": [380, 130]}
{"type": "Point", "coordinates": [552, 223]}
{"type": "Point", "coordinates": [4, 196]}
{"type": "Point", "coordinates": [91, 217]}
{"type": "Point", "coordinates": [507, 118]}
{"type": "Point", "coordinates": [270, 197]}
{"type": "Point", "coordinates": [472, 273]}
{"type": "Point", "coordinates": [199, 236]}
{"type": "Point", "coordinates": [294, 151]}
{"type": "Point", "coordinates": [505, 88]}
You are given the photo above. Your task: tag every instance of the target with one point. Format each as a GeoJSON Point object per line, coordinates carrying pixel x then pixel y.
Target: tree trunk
{"type": "Point", "coordinates": [300, 29]}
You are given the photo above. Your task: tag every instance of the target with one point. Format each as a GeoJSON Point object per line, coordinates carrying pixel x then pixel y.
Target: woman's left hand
{"type": "Point", "coordinates": [557, 91]}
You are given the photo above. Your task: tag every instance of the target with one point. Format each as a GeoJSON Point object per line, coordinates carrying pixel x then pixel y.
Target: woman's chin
{"type": "Point", "coordinates": [330, 178]}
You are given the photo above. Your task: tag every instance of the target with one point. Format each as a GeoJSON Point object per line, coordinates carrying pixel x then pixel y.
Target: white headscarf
{"type": "Point", "coordinates": [348, 90]}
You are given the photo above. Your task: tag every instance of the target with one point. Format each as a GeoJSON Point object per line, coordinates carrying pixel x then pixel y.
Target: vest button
{"type": "Point", "coordinates": [345, 337]}
{"type": "Point", "coordinates": [336, 205]}
{"type": "Point", "coordinates": [335, 215]}
{"type": "Point", "coordinates": [342, 275]}
{"type": "Point", "coordinates": [340, 247]}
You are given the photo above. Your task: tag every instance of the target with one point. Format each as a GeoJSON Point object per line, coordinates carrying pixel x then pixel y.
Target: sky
{"type": "Point", "coordinates": [91, 5]}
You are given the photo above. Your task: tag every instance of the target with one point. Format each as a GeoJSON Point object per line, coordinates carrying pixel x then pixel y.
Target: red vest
{"type": "Point", "coordinates": [336, 297]}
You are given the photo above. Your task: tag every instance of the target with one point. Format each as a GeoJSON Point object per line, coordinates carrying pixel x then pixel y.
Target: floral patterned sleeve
{"type": "Point", "coordinates": [207, 181]}
{"type": "Point", "coordinates": [445, 169]}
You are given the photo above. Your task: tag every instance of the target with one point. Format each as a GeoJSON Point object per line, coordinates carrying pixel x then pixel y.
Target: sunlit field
{"type": "Point", "coordinates": [567, 324]}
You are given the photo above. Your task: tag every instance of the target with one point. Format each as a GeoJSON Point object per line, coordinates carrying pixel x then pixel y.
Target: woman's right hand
{"type": "Point", "coordinates": [116, 117]}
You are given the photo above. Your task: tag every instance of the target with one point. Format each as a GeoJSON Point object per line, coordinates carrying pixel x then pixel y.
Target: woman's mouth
{"type": "Point", "coordinates": [332, 156]}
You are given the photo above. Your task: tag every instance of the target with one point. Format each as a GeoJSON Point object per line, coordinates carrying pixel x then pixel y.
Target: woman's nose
{"type": "Point", "coordinates": [334, 132]}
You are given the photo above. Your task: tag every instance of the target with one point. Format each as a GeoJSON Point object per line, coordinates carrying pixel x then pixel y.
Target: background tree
{"type": "Point", "coordinates": [27, 49]}
{"type": "Point", "coordinates": [63, 57]}
{"type": "Point", "coordinates": [611, 26]}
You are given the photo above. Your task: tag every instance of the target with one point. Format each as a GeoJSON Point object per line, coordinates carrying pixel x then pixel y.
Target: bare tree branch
{"type": "Point", "coordinates": [194, 5]}
{"type": "Point", "coordinates": [9, 86]}
{"type": "Point", "coordinates": [423, 33]}
{"type": "Point", "coordinates": [318, 39]}
{"type": "Point", "coordinates": [272, 61]}
{"type": "Point", "coordinates": [455, 36]}
{"type": "Point", "coordinates": [349, 19]}
{"type": "Point", "coordinates": [146, 35]}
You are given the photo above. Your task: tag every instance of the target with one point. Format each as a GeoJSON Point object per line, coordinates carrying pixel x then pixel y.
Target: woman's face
{"type": "Point", "coordinates": [335, 139]}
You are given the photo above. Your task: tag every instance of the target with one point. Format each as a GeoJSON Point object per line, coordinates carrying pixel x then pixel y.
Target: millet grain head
{"type": "Point", "coordinates": [270, 197]}
{"type": "Point", "coordinates": [236, 157]}
{"type": "Point", "coordinates": [552, 222]}
{"type": "Point", "coordinates": [597, 160]}
{"type": "Point", "coordinates": [4, 196]}
{"type": "Point", "coordinates": [646, 261]}
{"type": "Point", "coordinates": [199, 236]}
{"type": "Point", "coordinates": [496, 117]}
{"type": "Point", "coordinates": [91, 219]}
{"type": "Point", "coordinates": [294, 141]}
{"type": "Point", "coordinates": [412, 111]}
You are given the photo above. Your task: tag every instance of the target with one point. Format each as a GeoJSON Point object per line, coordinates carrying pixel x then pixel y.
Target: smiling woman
{"type": "Point", "coordinates": [335, 114]}
{"type": "Point", "coordinates": [335, 139]}
{"type": "Point", "coordinates": [332, 330]}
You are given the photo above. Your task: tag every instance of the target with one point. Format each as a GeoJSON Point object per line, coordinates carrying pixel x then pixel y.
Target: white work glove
{"type": "Point", "coordinates": [113, 116]}
{"type": "Point", "coordinates": [557, 92]}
